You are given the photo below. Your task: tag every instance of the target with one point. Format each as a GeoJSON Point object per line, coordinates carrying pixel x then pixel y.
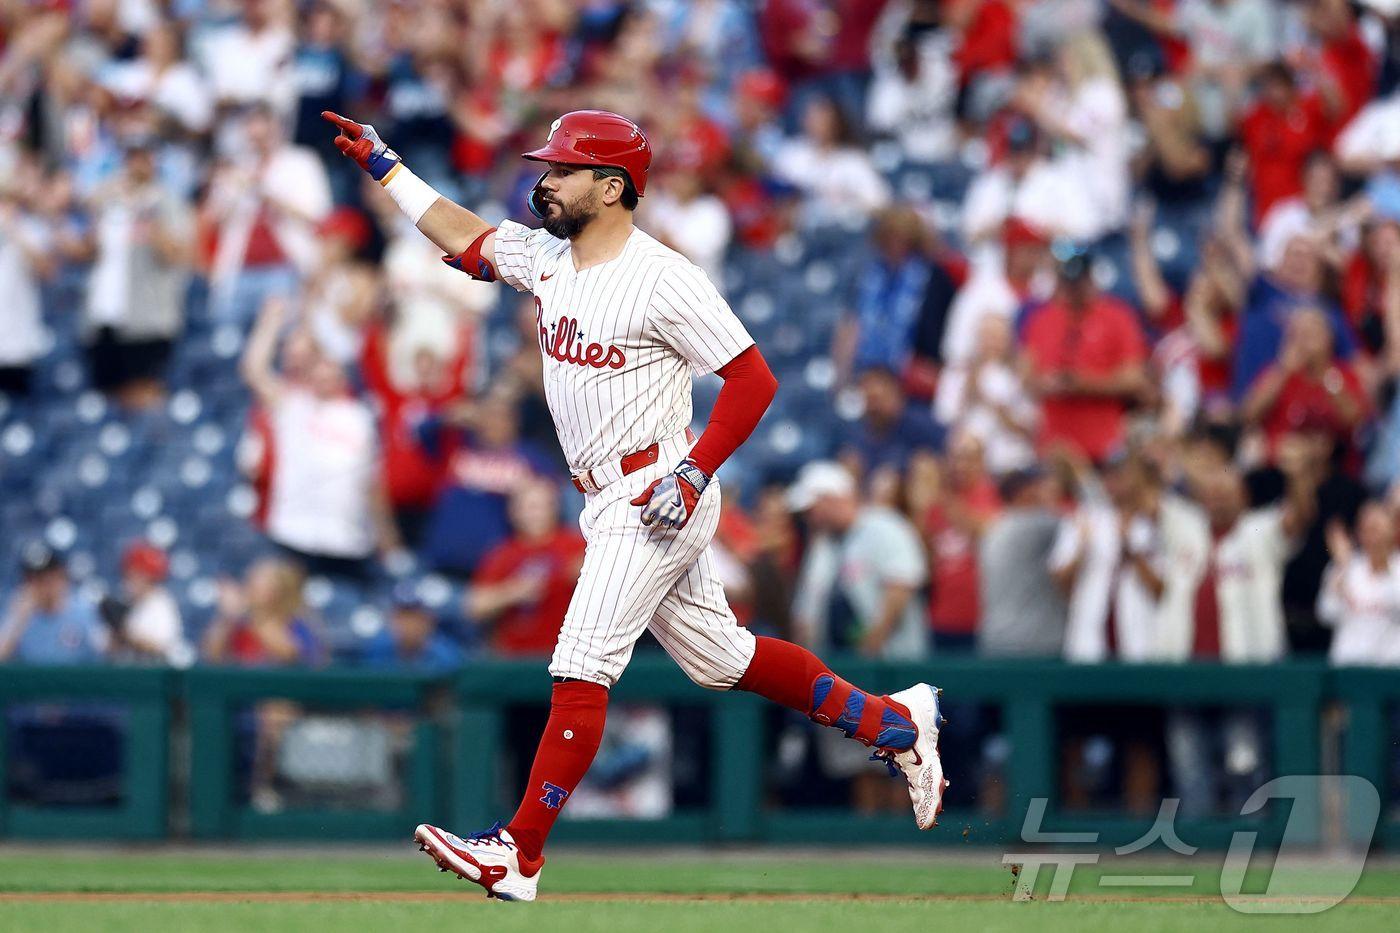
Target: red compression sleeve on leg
{"type": "Point", "coordinates": [577, 711]}
{"type": "Point", "coordinates": [749, 387]}
{"type": "Point", "coordinates": [791, 675]}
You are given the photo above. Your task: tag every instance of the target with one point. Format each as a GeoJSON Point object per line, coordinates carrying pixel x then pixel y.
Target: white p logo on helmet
{"type": "Point", "coordinates": [553, 128]}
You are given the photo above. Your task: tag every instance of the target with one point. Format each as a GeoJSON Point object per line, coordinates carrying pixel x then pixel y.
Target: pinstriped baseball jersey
{"type": "Point", "coordinates": [620, 339]}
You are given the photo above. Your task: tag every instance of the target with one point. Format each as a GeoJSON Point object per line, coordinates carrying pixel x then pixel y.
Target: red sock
{"type": "Point", "coordinates": [795, 677]}
{"type": "Point", "coordinates": [576, 713]}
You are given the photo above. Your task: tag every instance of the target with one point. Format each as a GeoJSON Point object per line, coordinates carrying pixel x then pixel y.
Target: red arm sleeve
{"type": "Point", "coordinates": [749, 387]}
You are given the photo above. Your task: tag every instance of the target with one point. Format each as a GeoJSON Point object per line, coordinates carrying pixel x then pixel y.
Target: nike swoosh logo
{"type": "Point", "coordinates": [546, 278]}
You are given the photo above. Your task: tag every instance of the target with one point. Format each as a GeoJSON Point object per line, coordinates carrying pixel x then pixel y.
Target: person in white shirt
{"type": "Point", "coordinates": [691, 220]}
{"type": "Point", "coordinates": [265, 201]}
{"type": "Point", "coordinates": [251, 61]}
{"type": "Point", "coordinates": [1317, 212]}
{"type": "Point", "coordinates": [163, 77]}
{"type": "Point", "coordinates": [831, 170]}
{"type": "Point", "coordinates": [25, 260]}
{"type": "Point", "coordinates": [987, 398]}
{"type": "Point", "coordinates": [327, 508]}
{"type": "Point", "coordinates": [1372, 138]}
{"type": "Point", "coordinates": [912, 95]}
{"type": "Point", "coordinates": [1086, 112]}
{"type": "Point", "coordinates": [1236, 617]}
{"type": "Point", "coordinates": [1018, 271]}
{"type": "Point", "coordinates": [1360, 595]}
{"type": "Point", "coordinates": [1026, 186]}
{"type": "Point", "coordinates": [152, 630]}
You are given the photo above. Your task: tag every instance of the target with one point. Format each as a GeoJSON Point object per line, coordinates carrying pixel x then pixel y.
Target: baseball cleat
{"type": "Point", "coordinates": [920, 763]}
{"type": "Point", "coordinates": [489, 859]}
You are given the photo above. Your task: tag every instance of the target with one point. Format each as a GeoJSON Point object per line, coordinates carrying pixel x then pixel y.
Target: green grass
{"type": "Point", "coordinates": [970, 891]}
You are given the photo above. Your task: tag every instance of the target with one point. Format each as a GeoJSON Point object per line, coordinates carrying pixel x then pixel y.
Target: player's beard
{"type": "Point", "coordinates": [572, 218]}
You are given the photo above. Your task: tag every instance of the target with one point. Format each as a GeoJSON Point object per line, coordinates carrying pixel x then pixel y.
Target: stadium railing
{"type": "Point", "coordinates": [453, 732]}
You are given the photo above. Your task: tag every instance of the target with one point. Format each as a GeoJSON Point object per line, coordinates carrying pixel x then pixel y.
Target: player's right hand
{"type": "Point", "coordinates": [360, 142]}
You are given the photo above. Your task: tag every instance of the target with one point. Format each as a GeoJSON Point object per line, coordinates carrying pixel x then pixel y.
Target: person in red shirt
{"type": "Point", "coordinates": [1084, 354]}
{"type": "Point", "coordinates": [523, 586]}
{"type": "Point", "coordinates": [965, 504]}
{"type": "Point", "coordinates": [412, 474]}
{"type": "Point", "coordinates": [1307, 384]}
{"type": "Point", "coordinates": [1279, 132]}
{"type": "Point", "coordinates": [1346, 67]}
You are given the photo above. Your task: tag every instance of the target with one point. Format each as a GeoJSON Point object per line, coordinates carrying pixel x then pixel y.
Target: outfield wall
{"type": "Point", "coordinates": [186, 734]}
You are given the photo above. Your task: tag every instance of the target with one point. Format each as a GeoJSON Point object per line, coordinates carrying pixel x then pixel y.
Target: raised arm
{"type": "Point", "coordinates": [256, 367]}
{"type": "Point", "coordinates": [453, 228]}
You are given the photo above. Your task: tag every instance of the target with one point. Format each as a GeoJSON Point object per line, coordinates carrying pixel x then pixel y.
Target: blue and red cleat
{"type": "Point", "coordinates": [922, 767]}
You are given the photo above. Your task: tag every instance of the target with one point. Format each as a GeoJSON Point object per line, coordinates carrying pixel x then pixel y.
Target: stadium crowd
{"type": "Point", "coordinates": [1087, 316]}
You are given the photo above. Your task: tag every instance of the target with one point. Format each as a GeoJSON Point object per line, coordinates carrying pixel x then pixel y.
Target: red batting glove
{"type": "Point", "coordinates": [360, 142]}
{"type": "Point", "coordinates": [671, 500]}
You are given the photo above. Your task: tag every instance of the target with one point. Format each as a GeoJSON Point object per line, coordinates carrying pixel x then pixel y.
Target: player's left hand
{"type": "Point", "coordinates": [671, 500]}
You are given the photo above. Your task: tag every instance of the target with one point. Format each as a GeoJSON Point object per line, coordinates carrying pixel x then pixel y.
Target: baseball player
{"type": "Point", "coordinates": [623, 323]}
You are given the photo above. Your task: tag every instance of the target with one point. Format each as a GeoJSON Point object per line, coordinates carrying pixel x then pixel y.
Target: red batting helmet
{"type": "Point", "coordinates": [597, 137]}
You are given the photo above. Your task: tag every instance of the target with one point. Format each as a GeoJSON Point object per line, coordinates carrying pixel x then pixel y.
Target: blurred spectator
{"type": "Point", "coordinates": [1279, 133]}
{"type": "Point", "coordinates": [1238, 619]}
{"type": "Point", "coordinates": [890, 429]}
{"type": "Point", "coordinates": [1308, 385]}
{"type": "Point", "coordinates": [260, 216]}
{"type": "Point", "coordinates": [1238, 615]}
{"type": "Point", "coordinates": [1226, 42]}
{"type": "Point", "coordinates": [162, 76]}
{"type": "Point", "coordinates": [690, 219]}
{"type": "Point", "coordinates": [1023, 611]}
{"type": "Point", "coordinates": [830, 168]}
{"type": "Point", "coordinates": [1360, 595]}
{"type": "Point", "coordinates": [962, 504]}
{"type": "Point", "coordinates": [913, 93]}
{"type": "Point", "coordinates": [26, 260]}
{"type": "Point", "coordinates": [1133, 553]}
{"type": "Point", "coordinates": [1174, 164]}
{"type": "Point", "coordinates": [1083, 110]}
{"type": "Point", "coordinates": [262, 622]}
{"type": "Point", "coordinates": [339, 297]}
{"type": "Point", "coordinates": [1316, 211]}
{"type": "Point", "coordinates": [1022, 185]}
{"type": "Point", "coordinates": [151, 630]}
{"type": "Point", "coordinates": [413, 639]}
{"type": "Point", "coordinates": [486, 463]}
{"type": "Point", "coordinates": [1269, 297]}
{"type": "Point", "coordinates": [140, 247]}
{"type": "Point", "coordinates": [524, 584]}
{"type": "Point", "coordinates": [249, 60]}
{"type": "Point", "coordinates": [325, 78]}
{"type": "Point", "coordinates": [1308, 458]}
{"type": "Point", "coordinates": [1345, 67]}
{"type": "Point", "coordinates": [1085, 355]}
{"type": "Point", "coordinates": [1370, 140]}
{"type": "Point", "coordinates": [1371, 284]}
{"type": "Point", "coordinates": [1017, 275]}
{"type": "Point", "coordinates": [326, 506]}
{"type": "Point", "coordinates": [861, 571]}
{"type": "Point", "coordinates": [987, 44]}
{"type": "Point", "coordinates": [773, 564]}
{"type": "Point", "coordinates": [900, 302]}
{"type": "Point", "coordinates": [412, 476]}
{"type": "Point", "coordinates": [45, 621]}
{"type": "Point", "coordinates": [986, 399]}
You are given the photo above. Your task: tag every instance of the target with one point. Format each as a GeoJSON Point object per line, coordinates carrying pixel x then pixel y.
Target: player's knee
{"type": "Point", "coordinates": [715, 677]}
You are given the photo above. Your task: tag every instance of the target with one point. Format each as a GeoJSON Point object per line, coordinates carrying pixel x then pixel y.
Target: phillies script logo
{"type": "Point", "coordinates": [563, 342]}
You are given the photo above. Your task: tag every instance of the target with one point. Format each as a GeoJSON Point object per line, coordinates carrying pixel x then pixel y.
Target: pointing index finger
{"type": "Point", "coordinates": [346, 125]}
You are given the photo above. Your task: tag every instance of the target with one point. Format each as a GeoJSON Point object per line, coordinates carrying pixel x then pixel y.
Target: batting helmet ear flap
{"type": "Point", "coordinates": [536, 198]}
